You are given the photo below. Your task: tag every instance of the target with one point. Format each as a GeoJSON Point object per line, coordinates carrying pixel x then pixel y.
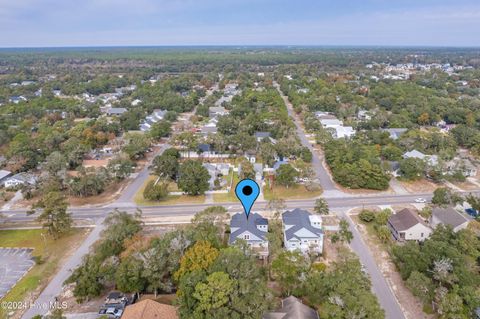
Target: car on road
{"type": "Point", "coordinates": [420, 200]}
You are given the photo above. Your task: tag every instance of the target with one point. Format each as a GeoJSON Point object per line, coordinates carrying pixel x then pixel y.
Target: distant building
{"type": "Point", "coordinates": [153, 118]}
{"type": "Point", "coordinates": [431, 160]}
{"type": "Point", "coordinates": [215, 111]}
{"type": "Point", "coordinates": [20, 179]}
{"type": "Point", "coordinates": [406, 225]}
{"type": "Point", "coordinates": [149, 309]}
{"type": "Point", "coordinates": [395, 133]}
{"type": "Point", "coordinates": [17, 99]}
{"type": "Point", "coordinates": [260, 136]}
{"type": "Point", "coordinates": [112, 111]}
{"type": "Point", "coordinates": [292, 308]}
{"type": "Point", "coordinates": [343, 132]}
{"type": "Point", "coordinates": [302, 231]}
{"type": "Point", "coordinates": [252, 230]}
{"type": "Point", "coordinates": [448, 216]}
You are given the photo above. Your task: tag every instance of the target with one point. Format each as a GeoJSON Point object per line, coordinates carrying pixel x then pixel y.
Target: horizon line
{"type": "Point", "coordinates": [245, 46]}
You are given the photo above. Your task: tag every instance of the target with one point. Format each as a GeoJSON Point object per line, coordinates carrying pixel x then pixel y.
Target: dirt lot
{"type": "Point", "coordinates": [420, 186]}
{"type": "Point", "coordinates": [411, 306]}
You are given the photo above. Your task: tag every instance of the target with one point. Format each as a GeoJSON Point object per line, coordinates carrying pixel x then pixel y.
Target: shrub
{"type": "Point", "coordinates": [367, 216]}
{"type": "Point", "coordinates": [155, 190]}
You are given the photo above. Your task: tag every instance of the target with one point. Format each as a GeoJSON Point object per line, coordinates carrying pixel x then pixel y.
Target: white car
{"type": "Point", "coordinates": [420, 200]}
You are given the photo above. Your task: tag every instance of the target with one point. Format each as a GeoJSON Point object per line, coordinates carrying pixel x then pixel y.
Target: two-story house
{"type": "Point", "coordinates": [252, 230]}
{"type": "Point", "coordinates": [302, 231]}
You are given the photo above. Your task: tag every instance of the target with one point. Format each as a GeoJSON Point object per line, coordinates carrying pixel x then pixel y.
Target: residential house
{"type": "Point", "coordinates": [260, 136]}
{"type": "Point", "coordinates": [252, 230]}
{"type": "Point", "coordinates": [334, 125]}
{"type": "Point", "coordinates": [4, 174]}
{"type": "Point", "coordinates": [215, 171]}
{"type": "Point", "coordinates": [343, 132]}
{"type": "Point", "coordinates": [20, 179]}
{"type": "Point", "coordinates": [209, 128]}
{"type": "Point", "coordinates": [114, 111]}
{"type": "Point", "coordinates": [394, 133]}
{"type": "Point", "coordinates": [292, 308]}
{"type": "Point", "coordinates": [205, 150]}
{"type": "Point", "coordinates": [149, 309]}
{"type": "Point", "coordinates": [431, 160]}
{"type": "Point", "coordinates": [157, 115]}
{"type": "Point", "coordinates": [17, 99]}
{"type": "Point", "coordinates": [448, 216]}
{"type": "Point", "coordinates": [215, 111]}
{"type": "Point", "coordinates": [407, 225]}
{"type": "Point", "coordinates": [250, 157]}
{"type": "Point", "coordinates": [302, 231]}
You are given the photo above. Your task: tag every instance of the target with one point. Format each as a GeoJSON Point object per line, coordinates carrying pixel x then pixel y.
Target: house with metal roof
{"type": "Point", "coordinates": [4, 174]}
{"type": "Point", "coordinates": [20, 179]}
{"type": "Point", "coordinates": [292, 308]}
{"type": "Point", "coordinates": [448, 216]}
{"type": "Point", "coordinates": [252, 230]}
{"type": "Point", "coordinates": [431, 160]}
{"type": "Point", "coordinates": [407, 225]}
{"type": "Point", "coordinates": [302, 231]}
{"type": "Point", "coordinates": [114, 110]}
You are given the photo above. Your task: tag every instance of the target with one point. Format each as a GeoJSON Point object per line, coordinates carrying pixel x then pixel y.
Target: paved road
{"type": "Point", "coordinates": [380, 287]}
{"type": "Point", "coordinates": [81, 213]}
{"type": "Point", "coordinates": [47, 297]}
{"type": "Point", "coordinates": [129, 192]}
{"type": "Point", "coordinates": [320, 171]}
{"type": "Point", "coordinates": [337, 201]}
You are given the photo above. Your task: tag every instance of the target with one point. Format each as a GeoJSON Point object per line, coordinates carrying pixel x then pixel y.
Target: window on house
{"type": "Point", "coordinates": [421, 235]}
{"type": "Point", "coordinates": [246, 237]}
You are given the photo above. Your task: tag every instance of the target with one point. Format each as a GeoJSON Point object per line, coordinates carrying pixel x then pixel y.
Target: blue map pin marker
{"type": "Point", "coordinates": [247, 191]}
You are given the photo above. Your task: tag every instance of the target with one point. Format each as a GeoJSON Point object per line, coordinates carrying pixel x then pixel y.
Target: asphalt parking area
{"type": "Point", "coordinates": [14, 264]}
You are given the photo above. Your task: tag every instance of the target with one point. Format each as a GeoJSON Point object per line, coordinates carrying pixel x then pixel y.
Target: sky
{"type": "Point", "coordinates": [54, 23]}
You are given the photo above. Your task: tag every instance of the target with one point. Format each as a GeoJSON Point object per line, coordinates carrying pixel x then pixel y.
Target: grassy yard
{"type": "Point", "coordinates": [293, 192]}
{"type": "Point", "coordinates": [170, 200]}
{"type": "Point", "coordinates": [51, 252]}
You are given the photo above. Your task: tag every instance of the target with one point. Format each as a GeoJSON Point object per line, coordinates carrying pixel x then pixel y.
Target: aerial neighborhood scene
{"type": "Point", "coordinates": [239, 159]}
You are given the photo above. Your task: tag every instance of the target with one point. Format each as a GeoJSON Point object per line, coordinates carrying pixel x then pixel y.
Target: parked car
{"type": "Point", "coordinates": [420, 200]}
{"type": "Point", "coordinates": [472, 212]}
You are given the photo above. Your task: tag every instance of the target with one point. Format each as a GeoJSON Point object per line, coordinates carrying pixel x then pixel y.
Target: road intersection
{"type": "Point", "coordinates": [338, 201]}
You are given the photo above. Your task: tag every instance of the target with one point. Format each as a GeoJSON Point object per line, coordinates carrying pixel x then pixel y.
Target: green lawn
{"type": "Point", "coordinates": [170, 200]}
{"type": "Point", "coordinates": [51, 252]}
{"type": "Point", "coordinates": [292, 192]}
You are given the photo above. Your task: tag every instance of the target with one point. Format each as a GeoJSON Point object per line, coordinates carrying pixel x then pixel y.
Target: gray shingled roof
{"type": "Point", "coordinates": [404, 219]}
{"type": "Point", "coordinates": [300, 219]}
{"type": "Point", "coordinates": [292, 308]}
{"type": "Point", "coordinates": [449, 216]}
{"type": "Point", "coordinates": [240, 221]}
